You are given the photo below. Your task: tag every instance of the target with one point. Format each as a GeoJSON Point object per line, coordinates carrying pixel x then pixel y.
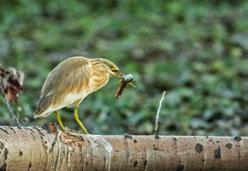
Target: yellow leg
{"type": "Point", "coordinates": [78, 120]}
{"type": "Point", "coordinates": [59, 121]}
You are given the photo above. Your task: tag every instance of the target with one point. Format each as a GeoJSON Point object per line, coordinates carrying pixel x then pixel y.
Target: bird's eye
{"type": "Point", "coordinates": [114, 70]}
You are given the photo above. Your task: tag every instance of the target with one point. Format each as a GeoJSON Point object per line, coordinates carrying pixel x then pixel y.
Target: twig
{"type": "Point", "coordinates": [11, 111]}
{"type": "Point", "coordinates": [158, 112]}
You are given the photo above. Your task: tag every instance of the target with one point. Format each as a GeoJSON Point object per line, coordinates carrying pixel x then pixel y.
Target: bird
{"type": "Point", "coordinates": [70, 82]}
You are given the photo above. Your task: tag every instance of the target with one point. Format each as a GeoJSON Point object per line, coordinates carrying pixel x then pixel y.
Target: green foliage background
{"type": "Point", "coordinates": [196, 50]}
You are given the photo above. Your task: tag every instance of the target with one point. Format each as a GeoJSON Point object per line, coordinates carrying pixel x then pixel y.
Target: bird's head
{"type": "Point", "coordinates": [114, 70]}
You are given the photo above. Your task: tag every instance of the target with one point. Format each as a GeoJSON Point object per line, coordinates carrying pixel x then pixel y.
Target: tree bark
{"type": "Point", "coordinates": [36, 148]}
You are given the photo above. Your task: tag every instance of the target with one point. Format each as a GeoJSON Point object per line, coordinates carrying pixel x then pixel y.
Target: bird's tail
{"type": "Point", "coordinates": [42, 106]}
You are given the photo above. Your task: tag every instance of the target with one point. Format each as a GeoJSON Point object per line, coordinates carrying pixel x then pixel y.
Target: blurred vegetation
{"type": "Point", "coordinates": [195, 50]}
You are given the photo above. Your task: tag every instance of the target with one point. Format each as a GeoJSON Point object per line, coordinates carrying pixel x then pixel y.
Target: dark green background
{"type": "Point", "coordinates": [195, 50]}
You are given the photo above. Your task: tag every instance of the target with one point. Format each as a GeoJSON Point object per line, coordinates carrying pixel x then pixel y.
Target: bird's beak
{"type": "Point", "coordinates": [118, 73]}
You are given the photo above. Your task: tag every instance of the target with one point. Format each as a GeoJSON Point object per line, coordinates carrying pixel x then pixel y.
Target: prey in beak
{"type": "Point", "coordinates": [126, 79]}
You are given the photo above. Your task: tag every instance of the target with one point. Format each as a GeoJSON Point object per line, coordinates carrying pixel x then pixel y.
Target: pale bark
{"type": "Point", "coordinates": [35, 148]}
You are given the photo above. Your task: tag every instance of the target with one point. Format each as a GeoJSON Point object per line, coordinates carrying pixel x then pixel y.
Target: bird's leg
{"type": "Point", "coordinates": [59, 121]}
{"type": "Point", "coordinates": [78, 120]}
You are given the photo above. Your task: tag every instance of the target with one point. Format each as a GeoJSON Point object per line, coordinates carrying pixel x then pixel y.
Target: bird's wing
{"type": "Point", "coordinates": [69, 78]}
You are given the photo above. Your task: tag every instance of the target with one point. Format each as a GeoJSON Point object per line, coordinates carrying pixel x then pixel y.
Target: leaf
{"type": "Point", "coordinates": [11, 83]}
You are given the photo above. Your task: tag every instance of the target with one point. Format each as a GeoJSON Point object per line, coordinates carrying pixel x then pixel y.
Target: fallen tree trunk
{"type": "Point", "coordinates": [36, 148]}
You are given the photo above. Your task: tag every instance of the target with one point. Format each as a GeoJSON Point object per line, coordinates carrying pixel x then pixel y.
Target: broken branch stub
{"type": "Point", "coordinates": [35, 148]}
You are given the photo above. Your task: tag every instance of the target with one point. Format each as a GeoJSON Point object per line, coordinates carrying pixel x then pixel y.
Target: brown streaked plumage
{"type": "Point", "coordinates": [71, 81]}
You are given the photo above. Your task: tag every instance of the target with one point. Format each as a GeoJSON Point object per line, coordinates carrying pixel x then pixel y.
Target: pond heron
{"type": "Point", "coordinates": [70, 82]}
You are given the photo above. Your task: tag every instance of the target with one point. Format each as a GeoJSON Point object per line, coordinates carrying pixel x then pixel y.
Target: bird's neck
{"type": "Point", "coordinates": [100, 74]}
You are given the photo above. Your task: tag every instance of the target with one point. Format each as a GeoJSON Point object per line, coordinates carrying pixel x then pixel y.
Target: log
{"type": "Point", "coordinates": [39, 149]}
